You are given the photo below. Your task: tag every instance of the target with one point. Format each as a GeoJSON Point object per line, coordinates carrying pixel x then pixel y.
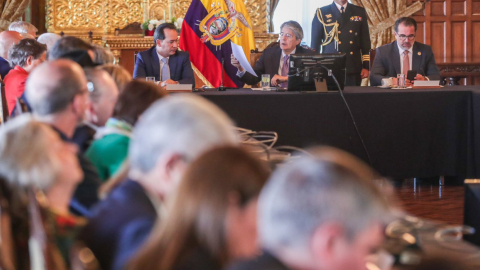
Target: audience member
{"type": "Point", "coordinates": [70, 44]}
{"type": "Point", "coordinates": [169, 135]}
{"type": "Point", "coordinates": [109, 150]}
{"type": "Point", "coordinates": [103, 55]}
{"type": "Point", "coordinates": [319, 212]}
{"type": "Point", "coordinates": [24, 56]}
{"type": "Point", "coordinates": [274, 60]}
{"type": "Point", "coordinates": [23, 27]}
{"type": "Point", "coordinates": [7, 40]}
{"type": "Point", "coordinates": [163, 61]}
{"type": "Point", "coordinates": [102, 96]}
{"type": "Point", "coordinates": [403, 55]}
{"type": "Point", "coordinates": [57, 91]}
{"type": "Point", "coordinates": [119, 74]}
{"type": "Point", "coordinates": [212, 218]}
{"type": "Point", "coordinates": [51, 166]}
{"type": "Point", "coordinates": [48, 39]}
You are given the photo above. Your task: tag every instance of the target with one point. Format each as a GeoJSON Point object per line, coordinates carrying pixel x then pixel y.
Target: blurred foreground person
{"type": "Point", "coordinates": [7, 40]}
{"type": "Point", "coordinates": [119, 74]}
{"type": "Point", "coordinates": [102, 96]}
{"type": "Point", "coordinates": [24, 56]}
{"type": "Point", "coordinates": [319, 212]}
{"type": "Point", "coordinates": [57, 91]}
{"type": "Point", "coordinates": [170, 134]}
{"type": "Point", "coordinates": [23, 27]}
{"type": "Point", "coordinates": [69, 44]}
{"type": "Point", "coordinates": [48, 39]}
{"type": "Point", "coordinates": [211, 220]}
{"type": "Point", "coordinates": [109, 150]}
{"type": "Point", "coordinates": [34, 158]}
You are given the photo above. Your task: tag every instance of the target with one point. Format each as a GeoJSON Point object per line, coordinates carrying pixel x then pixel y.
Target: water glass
{"type": "Point", "coordinates": [265, 81]}
{"type": "Point", "coordinates": [150, 79]}
{"type": "Point", "coordinates": [401, 80]}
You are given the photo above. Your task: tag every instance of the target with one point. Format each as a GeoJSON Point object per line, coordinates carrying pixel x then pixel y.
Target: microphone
{"type": "Point", "coordinates": [222, 88]}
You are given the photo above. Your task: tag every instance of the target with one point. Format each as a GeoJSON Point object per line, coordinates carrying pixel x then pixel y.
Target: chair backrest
{"type": "Point", "coordinates": [372, 57]}
{"type": "Point", "coordinates": [3, 102]}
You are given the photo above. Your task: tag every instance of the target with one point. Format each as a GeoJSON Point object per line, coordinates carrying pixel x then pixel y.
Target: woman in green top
{"type": "Point", "coordinates": [110, 148]}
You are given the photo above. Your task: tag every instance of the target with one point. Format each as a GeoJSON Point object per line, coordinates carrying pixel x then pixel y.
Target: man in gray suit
{"type": "Point", "coordinates": [403, 55]}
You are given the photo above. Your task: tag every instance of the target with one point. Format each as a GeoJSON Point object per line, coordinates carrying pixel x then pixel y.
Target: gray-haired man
{"type": "Point", "coordinates": [274, 60]}
{"type": "Point", "coordinates": [170, 134]}
{"type": "Point", "coordinates": [318, 213]}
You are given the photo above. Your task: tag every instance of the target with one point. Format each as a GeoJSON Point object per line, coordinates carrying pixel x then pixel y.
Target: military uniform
{"type": "Point", "coordinates": [347, 33]}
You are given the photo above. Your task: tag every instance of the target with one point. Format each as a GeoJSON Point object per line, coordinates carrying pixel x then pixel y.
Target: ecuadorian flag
{"type": "Point", "coordinates": [208, 30]}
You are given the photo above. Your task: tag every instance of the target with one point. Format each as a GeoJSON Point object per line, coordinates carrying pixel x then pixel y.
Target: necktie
{"type": "Point", "coordinates": [406, 63]}
{"type": "Point", "coordinates": [285, 70]}
{"type": "Point", "coordinates": [165, 70]}
{"type": "Point", "coordinates": [342, 12]}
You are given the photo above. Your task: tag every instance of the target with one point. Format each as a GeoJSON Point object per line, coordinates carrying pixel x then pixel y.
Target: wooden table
{"type": "Point", "coordinates": [453, 70]}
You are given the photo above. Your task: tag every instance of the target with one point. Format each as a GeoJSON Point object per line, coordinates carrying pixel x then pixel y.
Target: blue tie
{"type": "Point", "coordinates": [165, 70]}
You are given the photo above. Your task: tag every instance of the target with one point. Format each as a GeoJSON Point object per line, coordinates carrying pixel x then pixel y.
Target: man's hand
{"type": "Point", "coordinates": [277, 79]}
{"type": "Point", "coordinates": [235, 63]}
{"type": "Point", "coordinates": [364, 73]}
{"type": "Point", "coordinates": [168, 82]}
{"type": "Point", "coordinates": [420, 78]}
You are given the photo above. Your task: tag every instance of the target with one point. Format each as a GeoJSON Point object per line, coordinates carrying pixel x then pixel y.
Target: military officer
{"type": "Point", "coordinates": [343, 28]}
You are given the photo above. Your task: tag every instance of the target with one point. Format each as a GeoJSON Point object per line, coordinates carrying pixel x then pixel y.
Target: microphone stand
{"type": "Point", "coordinates": [222, 88]}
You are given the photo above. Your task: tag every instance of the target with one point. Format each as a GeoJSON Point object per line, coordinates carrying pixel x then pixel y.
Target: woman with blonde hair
{"type": "Point", "coordinates": [211, 220]}
{"type": "Point", "coordinates": [33, 158]}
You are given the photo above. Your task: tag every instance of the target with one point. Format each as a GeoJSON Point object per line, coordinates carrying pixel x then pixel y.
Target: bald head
{"type": "Point", "coordinates": [52, 86]}
{"type": "Point", "coordinates": [7, 40]}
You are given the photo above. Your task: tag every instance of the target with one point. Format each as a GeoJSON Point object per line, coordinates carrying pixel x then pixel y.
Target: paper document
{"type": "Point", "coordinates": [426, 83]}
{"type": "Point", "coordinates": [242, 59]}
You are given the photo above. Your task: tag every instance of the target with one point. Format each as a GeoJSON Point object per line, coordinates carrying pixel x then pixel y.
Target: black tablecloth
{"type": "Point", "coordinates": [408, 133]}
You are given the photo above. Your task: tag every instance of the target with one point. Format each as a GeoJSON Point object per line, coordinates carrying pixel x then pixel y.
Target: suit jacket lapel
{"type": "Point", "coordinates": [156, 64]}
{"type": "Point", "coordinates": [276, 60]}
{"type": "Point", "coordinates": [172, 64]}
{"type": "Point", "coordinates": [336, 14]}
{"type": "Point", "coordinates": [396, 58]}
{"type": "Point", "coordinates": [416, 59]}
{"type": "Point", "coordinates": [348, 14]}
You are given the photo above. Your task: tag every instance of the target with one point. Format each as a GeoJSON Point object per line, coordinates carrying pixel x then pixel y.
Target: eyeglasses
{"type": "Point", "coordinates": [286, 35]}
{"type": "Point", "coordinates": [403, 37]}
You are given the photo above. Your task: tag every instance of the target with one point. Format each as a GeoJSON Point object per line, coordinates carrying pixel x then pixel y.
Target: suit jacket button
{"type": "Point", "coordinates": [351, 31]}
{"type": "Point", "coordinates": [351, 52]}
{"type": "Point", "coordinates": [339, 42]}
{"type": "Point", "coordinates": [351, 42]}
{"type": "Point", "coordinates": [339, 32]}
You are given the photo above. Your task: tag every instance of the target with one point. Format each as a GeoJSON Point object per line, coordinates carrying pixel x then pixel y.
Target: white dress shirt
{"type": "Point", "coordinates": [340, 6]}
{"type": "Point", "coordinates": [281, 61]}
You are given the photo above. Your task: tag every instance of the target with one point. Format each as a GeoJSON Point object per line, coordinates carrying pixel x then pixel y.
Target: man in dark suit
{"type": "Point", "coordinates": [321, 211]}
{"type": "Point", "coordinates": [163, 61]}
{"type": "Point", "coordinates": [57, 92]}
{"type": "Point", "coordinates": [120, 224]}
{"type": "Point", "coordinates": [403, 55]}
{"type": "Point", "coordinates": [343, 28]}
{"type": "Point", "coordinates": [7, 40]}
{"type": "Point", "coordinates": [274, 60]}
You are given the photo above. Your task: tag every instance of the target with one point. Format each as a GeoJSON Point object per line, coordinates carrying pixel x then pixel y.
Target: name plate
{"type": "Point", "coordinates": [179, 87]}
{"type": "Point", "coordinates": [426, 84]}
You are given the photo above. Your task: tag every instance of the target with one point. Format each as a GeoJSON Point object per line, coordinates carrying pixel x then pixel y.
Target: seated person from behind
{"type": "Point", "coordinates": [403, 55]}
{"type": "Point", "coordinates": [163, 61]}
{"type": "Point", "coordinates": [274, 60]}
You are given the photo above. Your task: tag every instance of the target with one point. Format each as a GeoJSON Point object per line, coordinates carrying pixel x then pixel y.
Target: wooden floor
{"type": "Point", "coordinates": [431, 200]}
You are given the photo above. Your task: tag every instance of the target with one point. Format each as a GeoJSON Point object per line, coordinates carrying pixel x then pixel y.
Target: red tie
{"type": "Point", "coordinates": [406, 63]}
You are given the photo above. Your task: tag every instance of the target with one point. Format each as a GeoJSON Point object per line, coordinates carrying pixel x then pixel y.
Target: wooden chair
{"type": "Point", "coordinates": [3, 103]}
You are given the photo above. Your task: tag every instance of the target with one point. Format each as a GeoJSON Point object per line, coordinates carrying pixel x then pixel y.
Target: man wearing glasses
{"type": "Point", "coordinates": [403, 55]}
{"type": "Point", "coordinates": [274, 60]}
{"type": "Point", "coordinates": [343, 28]}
